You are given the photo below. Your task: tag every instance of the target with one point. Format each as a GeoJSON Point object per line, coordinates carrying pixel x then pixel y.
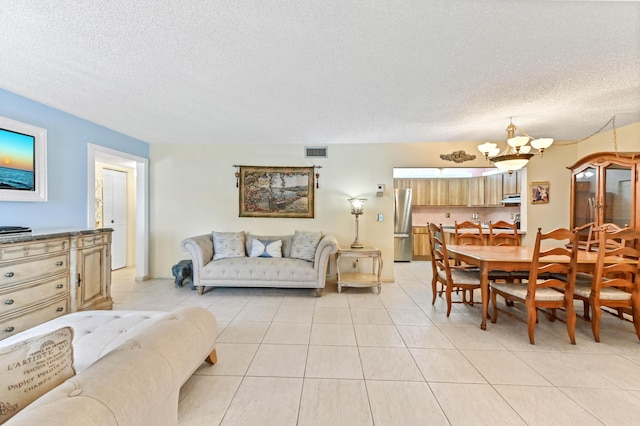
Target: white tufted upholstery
{"type": "Point", "coordinates": [258, 271]}
{"type": "Point", "coordinates": [130, 366]}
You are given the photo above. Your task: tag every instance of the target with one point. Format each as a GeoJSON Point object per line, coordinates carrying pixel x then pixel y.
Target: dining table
{"type": "Point", "coordinates": [510, 259]}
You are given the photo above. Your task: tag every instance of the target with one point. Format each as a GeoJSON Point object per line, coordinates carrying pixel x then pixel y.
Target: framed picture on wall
{"type": "Point", "coordinates": [539, 192]}
{"type": "Point", "coordinates": [276, 192]}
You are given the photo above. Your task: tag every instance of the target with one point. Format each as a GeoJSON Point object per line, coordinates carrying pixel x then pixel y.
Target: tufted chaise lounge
{"type": "Point", "coordinates": [129, 365]}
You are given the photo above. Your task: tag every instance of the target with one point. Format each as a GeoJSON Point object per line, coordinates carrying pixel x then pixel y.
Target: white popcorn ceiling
{"type": "Point", "coordinates": [327, 71]}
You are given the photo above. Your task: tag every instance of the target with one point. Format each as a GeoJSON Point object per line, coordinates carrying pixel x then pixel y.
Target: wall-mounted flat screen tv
{"type": "Point", "coordinates": [22, 161]}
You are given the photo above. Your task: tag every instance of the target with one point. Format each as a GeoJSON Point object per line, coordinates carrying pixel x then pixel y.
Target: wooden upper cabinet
{"type": "Point", "coordinates": [476, 191]}
{"type": "Point", "coordinates": [458, 192]}
{"type": "Point", "coordinates": [605, 189]}
{"type": "Point", "coordinates": [511, 183]}
{"type": "Point", "coordinates": [493, 190]}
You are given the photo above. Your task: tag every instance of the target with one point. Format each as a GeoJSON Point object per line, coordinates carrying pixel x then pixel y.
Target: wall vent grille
{"type": "Point", "coordinates": [316, 152]}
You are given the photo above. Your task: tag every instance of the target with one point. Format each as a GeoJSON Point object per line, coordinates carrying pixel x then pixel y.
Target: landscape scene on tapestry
{"type": "Point", "coordinates": [16, 161]}
{"type": "Point", "coordinates": [276, 191]}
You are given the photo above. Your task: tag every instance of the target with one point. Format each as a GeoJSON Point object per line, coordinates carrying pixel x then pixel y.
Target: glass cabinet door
{"type": "Point", "coordinates": [585, 187]}
{"type": "Point", "coordinates": [617, 195]}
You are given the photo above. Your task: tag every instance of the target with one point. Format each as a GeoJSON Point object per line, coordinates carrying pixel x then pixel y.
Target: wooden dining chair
{"type": "Point", "coordinates": [498, 236]}
{"type": "Point", "coordinates": [451, 279]}
{"type": "Point", "coordinates": [468, 232]}
{"type": "Point", "coordinates": [542, 290]}
{"type": "Point", "coordinates": [615, 285]}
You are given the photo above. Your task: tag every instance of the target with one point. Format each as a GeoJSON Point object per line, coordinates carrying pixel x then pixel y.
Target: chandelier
{"type": "Point", "coordinates": [517, 153]}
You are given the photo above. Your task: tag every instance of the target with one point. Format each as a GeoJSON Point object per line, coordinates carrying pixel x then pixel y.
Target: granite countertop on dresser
{"type": "Point", "coordinates": [43, 234]}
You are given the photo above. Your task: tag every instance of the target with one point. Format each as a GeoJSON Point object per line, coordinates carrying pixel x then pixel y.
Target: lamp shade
{"type": "Point", "coordinates": [541, 143]}
{"type": "Point", "coordinates": [357, 203]}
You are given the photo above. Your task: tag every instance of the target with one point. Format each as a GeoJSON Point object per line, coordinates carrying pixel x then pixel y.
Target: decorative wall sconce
{"type": "Point", "coordinates": [356, 210]}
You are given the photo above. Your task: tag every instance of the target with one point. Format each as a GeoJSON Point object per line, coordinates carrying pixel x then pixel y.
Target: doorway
{"type": "Point", "coordinates": [137, 168]}
{"type": "Point", "coordinates": [114, 207]}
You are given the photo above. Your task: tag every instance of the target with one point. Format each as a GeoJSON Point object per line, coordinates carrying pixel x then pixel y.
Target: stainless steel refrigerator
{"type": "Point", "coordinates": [402, 230]}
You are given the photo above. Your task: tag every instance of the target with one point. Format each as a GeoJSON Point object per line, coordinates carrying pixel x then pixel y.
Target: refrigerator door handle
{"type": "Point", "coordinates": [401, 235]}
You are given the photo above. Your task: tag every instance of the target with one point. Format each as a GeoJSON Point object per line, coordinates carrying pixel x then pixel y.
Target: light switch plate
{"type": "Point", "coordinates": [380, 217]}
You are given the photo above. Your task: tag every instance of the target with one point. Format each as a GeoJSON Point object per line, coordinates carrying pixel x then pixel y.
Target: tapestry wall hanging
{"type": "Point", "coordinates": [276, 191]}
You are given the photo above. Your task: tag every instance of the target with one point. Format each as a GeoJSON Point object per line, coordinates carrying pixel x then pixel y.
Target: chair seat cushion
{"type": "Point", "coordinates": [462, 276]}
{"type": "Point", "coordinates": [520, 290]}
{"type": "Point", "coordinates": [606, 293]}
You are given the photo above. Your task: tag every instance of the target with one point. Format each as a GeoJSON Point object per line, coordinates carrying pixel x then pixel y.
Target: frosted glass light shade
{"type": "Point", "coordinates": [487, 147]}
{"type": "Point", "coordinates": [357, 203]}
{"type": "Point", "coordinates": [541, 143]}
{"type": "Point", "coordinates": [525, 149]}
{"type": "Point", "coordinates": [518, 141]}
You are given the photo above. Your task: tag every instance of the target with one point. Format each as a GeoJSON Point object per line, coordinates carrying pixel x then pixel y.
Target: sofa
{"type": "Point", "coordinates": [129, 367]}
{"type": "Point", "coordinates": [230, 259]}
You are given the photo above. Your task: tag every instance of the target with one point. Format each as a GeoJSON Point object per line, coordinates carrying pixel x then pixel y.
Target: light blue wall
{"type": "Point", "coordinates": [67, 139]}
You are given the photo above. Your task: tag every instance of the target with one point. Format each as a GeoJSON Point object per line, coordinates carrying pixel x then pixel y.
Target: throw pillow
{"type": "Point", "coordinates": [32, 368]}
{"type": "Point", "coordinates": [287, 240]}
{"type": "Point", "coordinates": [305, 244]}
{"type": "Point", "coordinates": [228, 244]}
{"type": "Point", "coordinates": [266, 248]}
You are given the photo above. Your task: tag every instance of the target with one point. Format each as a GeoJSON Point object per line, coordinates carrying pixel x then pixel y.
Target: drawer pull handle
{"type": "Point", "coordinates": [60, 309]}
{"type": "Point", "coordinates": [9, 302]}
{"type": "Point", "coordinates": [60, 286]}
{"type": "Point", "coordinates": [59, 263]}
{"type": "Point", "coordinates": [9, 329]}
{"type": "Point", "coordinates": [9, 274]}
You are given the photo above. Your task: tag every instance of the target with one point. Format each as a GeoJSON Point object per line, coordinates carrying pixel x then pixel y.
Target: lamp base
{"type": "Point", "coordinates": [357, 244]}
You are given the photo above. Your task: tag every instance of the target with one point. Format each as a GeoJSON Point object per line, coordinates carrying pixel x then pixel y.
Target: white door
{"type": "Point", "coordinates": [115, 214]}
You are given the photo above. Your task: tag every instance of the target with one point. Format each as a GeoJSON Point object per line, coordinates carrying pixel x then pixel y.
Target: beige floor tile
{"type": "Point", "coordinates": [288, 333]}
{"type": "Point", "coordinates": [504, 368]}
{"type": "Point", "coordinates": [279, 361]}
{"type": "Point", "coordinates": [333, 334]}
{"type": "Point", "coordinates": [265, 401]}
{"type": "Point", "coordinates": [257, 313]}
{"type": "Point", "coordinates": [474, 404]}
{"type": "Point", "coordinates": [562, 369]}
{"type": "Point", "coordinates": [615, 368]}
{"type": "Point", "coordinates": [378, 335]}
{"type": "Point", "coordinates": [610, 406]}
{"type": "Point", "coordinates": [293, 314]}
{"type": "Point", "coordinates": [446, 365]}
{"type": "Point", "coordinates": [307, 300]}
{"type": "Point", "coordinates": [409, 317]}
{"type": "Point", "coordinates": [334, 402]}
{"type": "Point", "coordinates": [370, 316]}
{"type": "Point", "coordinates": [362, 298]}
{"type": "Point", "coordinates": [424, 337]}
{"type": "Point", "coordinates": [404, 403]}
{"type": "Point", "coordinates": [471, 338]}
{"type": "Point", "coordinates": [334, 362]}
{"type": "Point", "coordinates": [332, 315]}
{"type": "Point", "coordinates": [538, 405]}
{"type": "Point", "coordinates": [233, 359]}
{"type": "Point", "coordinates": [332, 300]}
{"type": "Point", "coordinates": [196, 406]}
{"type": "Point", "coordinates": [244, 332]}
{"type": "Point", "coordinates": [389, 364]}
{"type": "Point", "coordinates": [225, 313]}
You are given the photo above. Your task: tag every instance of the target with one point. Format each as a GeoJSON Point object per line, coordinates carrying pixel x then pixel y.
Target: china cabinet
{"type": "Point", "coordinates": [605, 189]}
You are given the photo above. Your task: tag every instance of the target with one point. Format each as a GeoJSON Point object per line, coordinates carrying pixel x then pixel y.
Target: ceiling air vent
{"type": "Point", "coordinates": [316, 152]}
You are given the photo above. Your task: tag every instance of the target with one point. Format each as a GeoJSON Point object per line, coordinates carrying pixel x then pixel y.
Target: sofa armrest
{"type": "Point", "coordinates": [201, 250]}
{"type": "Point", "coordinates": [327, 246]}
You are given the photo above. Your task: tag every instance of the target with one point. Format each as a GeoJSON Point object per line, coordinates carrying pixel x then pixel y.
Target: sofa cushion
{"type": "Point", "coordinates": [304, 245]}
{"type": "Point", "coordinates": [32, 367]}
{"type": "Point", "coordinates": [287, 241]}
{"type": "Point", "coordinates": [228, 244]}
{"type": "Point", "coordinates": [266, 248]}
{"type": "Point", "coordinates": [257, 270]}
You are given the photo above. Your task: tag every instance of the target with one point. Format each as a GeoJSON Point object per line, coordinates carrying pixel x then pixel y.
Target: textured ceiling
{"type": "Point", "coordinates": [327, 71]}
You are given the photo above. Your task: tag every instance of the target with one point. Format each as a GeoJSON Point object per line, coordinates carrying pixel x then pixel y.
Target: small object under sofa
{"type": "Point", "coordinates": [239, 259]}
{"type": "Point", "coordinates": [129, 367]}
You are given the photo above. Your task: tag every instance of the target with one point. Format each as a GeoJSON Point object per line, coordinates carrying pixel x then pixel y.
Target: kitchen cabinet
{"type": "Point", "coordinates": [458, 192]}
{"type": "Point", "coordinates": [421, 244]}
{"type": "Point", "coordinates": [511, 183]}
{"type": "Point", "coordinates": [476, 191]}
{"type": "Point", "coordinates": [493, 190]}
{"type": "Point", "coordinates": [605, 189]}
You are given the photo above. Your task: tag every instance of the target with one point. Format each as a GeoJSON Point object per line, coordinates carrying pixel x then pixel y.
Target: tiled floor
{"type": "Point", "coordinates": [286, 357]}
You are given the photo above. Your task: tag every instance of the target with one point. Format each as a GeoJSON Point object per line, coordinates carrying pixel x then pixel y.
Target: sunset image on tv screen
{"type": "Point", "coordinates": [16, 161]}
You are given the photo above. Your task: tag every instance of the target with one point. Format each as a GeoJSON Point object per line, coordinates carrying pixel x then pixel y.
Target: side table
{"type": "Point", "coordinates": [360, 279]}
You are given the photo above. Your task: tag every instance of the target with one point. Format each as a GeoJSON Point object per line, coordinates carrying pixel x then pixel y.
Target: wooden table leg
{"type": "Point", "coordinates": [484, 290]}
